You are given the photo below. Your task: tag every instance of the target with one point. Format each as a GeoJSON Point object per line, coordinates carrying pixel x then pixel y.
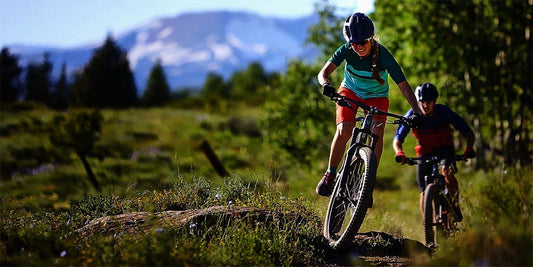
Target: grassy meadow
{"type": "Point", "coordinates": [153, 163]}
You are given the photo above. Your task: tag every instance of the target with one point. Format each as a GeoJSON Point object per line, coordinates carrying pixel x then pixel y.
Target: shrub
{"type": "Point", "coordinates": [498, 227]}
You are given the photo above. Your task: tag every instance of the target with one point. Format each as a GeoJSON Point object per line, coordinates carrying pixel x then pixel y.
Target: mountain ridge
{"type": "Point", "coordinates": [190, 45]}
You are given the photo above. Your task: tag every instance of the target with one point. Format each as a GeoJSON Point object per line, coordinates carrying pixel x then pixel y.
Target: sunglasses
{"type": "Point", "coordinates": [364, 42]}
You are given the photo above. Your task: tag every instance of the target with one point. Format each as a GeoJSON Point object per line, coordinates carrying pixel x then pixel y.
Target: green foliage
{"type": "Point", "coordinates": [478, 53]}
{"type": "Point", "coordinates": [32, 239]}
{"type": "Point", "coordinates": [248, 85]}
{"type": "Point", "coordinates": [499, 226]}
{"type": "Point", "coordinates": [63, 95]}
{"type": "Point", "coordinates": [10, 84]}
{"type": "Point", "coordinates": [506, 197]}
{"type": "Point", "coordinates": [38, 80]}
{"type": "Point", "coordinates": [24, 145]}
{"type": "Point", "coordinates": [79, 132]}
{"type": "Point", "coordinates": [157, 90]}
{"type": "Point", "coordinates": [473, 51]}
{"type": "Point", "coordinates": [215, 92]}
{"type": "Point", "coordinates": [94, 206]}
{"type": "Point", "coordinates": [327, 33]}
{"type": "Point", "coordinates": [298, 119]}
{"type": "Point", "coordinates": [152, 145]}
{"type": "Point", "coordinates": [106, 81]}
{"type": "Point", "coordinates": [245, 88]}
{"type": "Point", "coordinates": [46, 238]}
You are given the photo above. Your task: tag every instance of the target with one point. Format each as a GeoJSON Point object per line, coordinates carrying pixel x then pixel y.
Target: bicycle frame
{"type": "Point", "coordinates": [443, 205]}
{"type": "Point", "coordinates": [355, 182]}
{"type": "Point", "coordinates": [363, 136]}
{"type": "Point", "coordinates": [436, 177]}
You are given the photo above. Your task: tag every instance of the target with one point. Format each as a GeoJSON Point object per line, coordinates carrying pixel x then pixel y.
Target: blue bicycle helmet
{"type": "Point", "coordinates": [426, 92]}
{"type": "Point", "coordinates": [357, 28]}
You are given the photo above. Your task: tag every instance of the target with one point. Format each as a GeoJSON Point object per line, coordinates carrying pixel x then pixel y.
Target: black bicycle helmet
{"type": "Point", "coordinates": [357, 27]}
{"type": "Point", "coordinates": [426, 92]}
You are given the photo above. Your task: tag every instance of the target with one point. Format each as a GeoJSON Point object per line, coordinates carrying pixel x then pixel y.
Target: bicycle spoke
{"type": "Point", "coordinates": [345, 212]}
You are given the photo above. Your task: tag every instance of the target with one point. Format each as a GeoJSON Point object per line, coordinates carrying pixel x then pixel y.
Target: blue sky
{"type": "Point", "coordinates": [67, 23]}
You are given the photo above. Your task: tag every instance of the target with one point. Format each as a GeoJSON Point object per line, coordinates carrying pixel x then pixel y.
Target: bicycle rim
{"type": "Point", "coordinates": [350, 199]}
{"type": "Point", "coordinates": [431, 215]}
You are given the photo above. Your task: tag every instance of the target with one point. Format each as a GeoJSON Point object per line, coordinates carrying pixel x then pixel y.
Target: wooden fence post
{"type": "Point", "coordinates": [212, 157]}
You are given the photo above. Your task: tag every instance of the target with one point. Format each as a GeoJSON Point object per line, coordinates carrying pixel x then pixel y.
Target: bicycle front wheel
{"type": "Point", "coordinates": [351, 198]}
{"type": "Point", "coordinates": [431, 214]}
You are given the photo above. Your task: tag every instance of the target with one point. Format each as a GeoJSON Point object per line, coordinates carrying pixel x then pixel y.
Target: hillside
{"type": "Point", "coordinates": [161, 202]}
{"type": "Point", "coordinates": [194, 44]}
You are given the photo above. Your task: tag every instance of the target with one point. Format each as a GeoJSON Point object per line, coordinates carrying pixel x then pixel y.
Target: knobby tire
{"type": "Point", "coordinates": [344, 217]}
{"type": "Point", "coordinates": [431, 207]}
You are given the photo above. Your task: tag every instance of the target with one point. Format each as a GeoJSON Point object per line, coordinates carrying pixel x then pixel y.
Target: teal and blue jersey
{"type": "Point", "coordinates": [358, 71]}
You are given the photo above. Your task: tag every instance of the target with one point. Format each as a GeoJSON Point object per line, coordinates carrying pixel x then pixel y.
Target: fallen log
{"type": "Point", "coordinates": [142, 222]}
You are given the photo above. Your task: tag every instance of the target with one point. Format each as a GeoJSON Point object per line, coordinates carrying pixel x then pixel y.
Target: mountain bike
{"type": "Point", "coordinates": [352, 193]}
{"type": "Point", "coordinates": [439, 216]}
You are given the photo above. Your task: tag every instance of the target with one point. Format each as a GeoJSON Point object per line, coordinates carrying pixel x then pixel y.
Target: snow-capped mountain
{"type": "Point", "coordinates": [192, 45]}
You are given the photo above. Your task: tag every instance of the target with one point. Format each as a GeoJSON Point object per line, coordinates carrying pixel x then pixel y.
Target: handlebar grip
{"type": "Point", "coordinates": [344, 104]}
{"type": "Point", "coordinates": [410, 161]}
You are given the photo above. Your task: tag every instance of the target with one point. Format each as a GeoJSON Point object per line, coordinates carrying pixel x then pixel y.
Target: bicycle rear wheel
{"type": "Point", "coordinates": [350, 199]}
{"type": "Point", "coordinates": [431, 214]}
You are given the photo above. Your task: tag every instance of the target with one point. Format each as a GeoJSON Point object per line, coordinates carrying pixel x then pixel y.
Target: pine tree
{"type": "Point", "coordinates": [38, 80]}
{"type": "Point", "coordinates": [248, 85]}
{"type": "Point", "coordinates": [10, 86]}
{"type": "Point", "coordinates": [62, 96]}
{"type": "Point", "coordinates": [157, 89]}
{"type": "Point", "coordinates": [107, 80]}
{"type": "Point", "coordinates": [215, 92]}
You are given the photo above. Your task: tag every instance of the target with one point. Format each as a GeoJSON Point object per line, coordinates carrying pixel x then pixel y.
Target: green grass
{"type": "Point", "coordinates": [154, 164]}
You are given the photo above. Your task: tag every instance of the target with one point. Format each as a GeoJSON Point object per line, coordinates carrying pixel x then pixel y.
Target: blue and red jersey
{"type": "Point", "coordinates": [435, 132]}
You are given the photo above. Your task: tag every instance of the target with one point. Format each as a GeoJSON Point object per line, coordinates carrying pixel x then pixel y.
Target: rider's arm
{"type": "Point", "coordinates": [459, 124]}
{"type": "Point", "coordinates": [397, 145]}
{"type": "Point", "coordinates": [323, 75]}
{"type": "Point", "coordinates": [409, 95]}
{"type": "Point", "coordinates": [398, 76]}
{"type": "Point", "coordinates": [470, 138]}
{"type": "Point", "coordinates": [399, 155]}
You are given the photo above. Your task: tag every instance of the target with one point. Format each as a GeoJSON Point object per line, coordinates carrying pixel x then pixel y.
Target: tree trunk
{"type": "Point", "coordinates": [90, 174]}
{"type": "Point", "coordinates": [479, 144]}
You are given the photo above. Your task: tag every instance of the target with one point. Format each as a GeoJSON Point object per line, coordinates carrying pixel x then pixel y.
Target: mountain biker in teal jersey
{"type": "Point", "coordinates": [368, 65]}
{"type": "Point", "coordinates": [435, 139]}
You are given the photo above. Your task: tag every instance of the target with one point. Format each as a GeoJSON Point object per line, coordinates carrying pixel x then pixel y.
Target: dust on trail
{"type": "Point", "coordinates": [381, 249]}
{"type": "Point", "coordinates": [371, 248]}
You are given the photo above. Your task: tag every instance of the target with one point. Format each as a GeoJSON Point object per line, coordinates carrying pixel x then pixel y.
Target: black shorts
{"type": "Point", "coordinates": [447, 153]}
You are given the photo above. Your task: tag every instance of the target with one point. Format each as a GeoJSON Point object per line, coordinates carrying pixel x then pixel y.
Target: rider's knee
{"type": "Point", "coordinates": [344, 130]}
{"type": "Point", "coordinates": [448, 171]}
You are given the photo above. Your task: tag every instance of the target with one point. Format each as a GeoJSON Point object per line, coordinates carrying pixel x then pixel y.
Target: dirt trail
{"type": "Point", "coordinates": [374, 248]}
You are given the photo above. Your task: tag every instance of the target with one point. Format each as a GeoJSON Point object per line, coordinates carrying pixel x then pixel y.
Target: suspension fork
{"type": "Point", "coordinates": [354, 148]}
{"type": "Point", "coordinates": [365, 133]}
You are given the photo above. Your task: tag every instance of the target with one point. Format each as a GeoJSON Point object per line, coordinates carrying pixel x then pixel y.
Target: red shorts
{"type": "Point", "coordinates": [346, 114]}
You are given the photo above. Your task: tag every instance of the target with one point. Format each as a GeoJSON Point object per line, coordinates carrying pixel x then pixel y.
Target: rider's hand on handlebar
{"type": "Point", "coordinates": [469, 153]}
{"type": "Point", "coordinates": [400, 157]}
{"type": "Point", "coordinates": [416, 119]}
{"type": "Point", "coordinates": [328, 90]}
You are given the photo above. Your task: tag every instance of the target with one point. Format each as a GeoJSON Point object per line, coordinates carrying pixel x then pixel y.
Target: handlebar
{"type": "Point", "coordinates": [431, 160]}
{"type": "Point", "coordinates": [344, 101]}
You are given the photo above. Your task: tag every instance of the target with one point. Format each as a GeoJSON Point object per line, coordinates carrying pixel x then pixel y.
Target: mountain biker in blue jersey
{"type": "Point", "coordinates": [368, 66]}
{"type": "Point", "coordinates": [435, 139]}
